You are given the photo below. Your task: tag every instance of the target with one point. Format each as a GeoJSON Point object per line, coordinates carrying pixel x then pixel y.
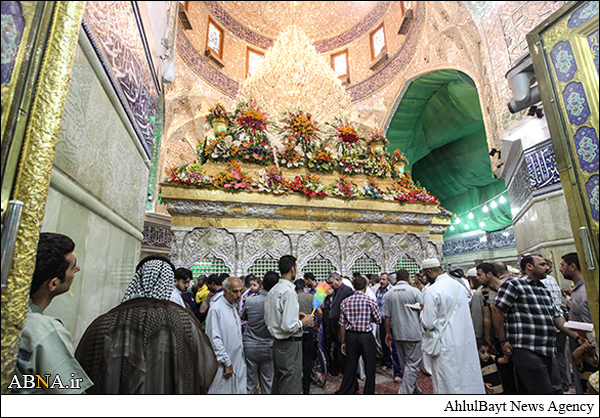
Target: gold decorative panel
{"type": "Point", "coordinates": [564, 51]}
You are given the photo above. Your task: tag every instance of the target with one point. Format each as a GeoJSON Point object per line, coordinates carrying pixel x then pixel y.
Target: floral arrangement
{"type": "Point", "coordinates": [371, 189]}
{"type": "Point", "coordinates": [321, 160]}
{"type": "Point", "coordinates": [301, 128]}
{"type": "Point", "coordinates": [250, 118]}
{"type": "Point", "coordinates": [310, 185]}
{"type": "Point", "coordinates": [375, 166]}
{"type": "Point", "coordinates": [350, 164]}
{"type": "Point", "coordinates": [271, 181]}
{"type": "Point", "coordinates": [405, 190]}
{"type": "Point", "coordinates": [345, 188]}
{"type": "Point", "coordinates": [377, 135]}
{"type": "Point", "coordinates": [191, 174]}
{"type": "Point", "coordinates": [218, 149]}
{"type": "Point", "coordinates": [346, 137]}
{"type": "Point", "coordinates": [398, 157]}
{"type": "Point", "coordinates": [252, 150]}
{"type": "Point", "coordinates": [292, 155]}
{"type": "Point", "coordinates": [217, 112]}
{"type": "Point", "coordinates": [233, 179]}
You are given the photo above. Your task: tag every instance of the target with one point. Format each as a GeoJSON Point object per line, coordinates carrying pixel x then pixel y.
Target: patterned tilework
{"type": "Point", "coordinates": [236, 28]}
{"type": "Point", "coordinates": [378, 80]}
{"type": "Point", "coordinates": [13, 25]}
{"type": "Point", "coordinates": [586, 144]}
{"type": "Point", "coordinates": [494, 241]}
{"type": "Point", "coordinates": [576, 104]}
{"type": "Point", "coordinates": [591, 188]}
{"type": "Point", "coordinates": [541, 165]}
{"type": "Point", "coordinates": [115, 32]}
{"type": "Point", "coordinates": [593, 42]}
{"type": "Point", "coordinates": [564, 61]}
{"type": "Point", "coordinates": [157, 236]}
{"type": "Point", "coordinates": [356, 31]}
{"type": "Point", "coordinates": [322, 46]}
{"type": "Point", "coordinates": [203, 68]}
{"type": "Point", "coordinates": [583, 14]}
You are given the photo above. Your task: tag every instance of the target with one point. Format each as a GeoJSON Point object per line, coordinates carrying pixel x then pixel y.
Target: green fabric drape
{"type": "Point", "coordinates": [439, 127]}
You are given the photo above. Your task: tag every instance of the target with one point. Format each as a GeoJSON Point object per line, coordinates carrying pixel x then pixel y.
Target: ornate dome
{"type": "Point", "coordinates": [317, 19]}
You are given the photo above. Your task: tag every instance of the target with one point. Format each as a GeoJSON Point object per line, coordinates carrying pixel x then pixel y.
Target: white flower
{"type": "Point", "coordinates": [237, 143]}
{"type": "Point", "coordinates": [309, 155]}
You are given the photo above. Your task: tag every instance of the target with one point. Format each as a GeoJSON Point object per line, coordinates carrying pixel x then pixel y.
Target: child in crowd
{"type": "Point", "coordinates": [491, 377]}
{"type": "Point", "coordinates": [585, 359]}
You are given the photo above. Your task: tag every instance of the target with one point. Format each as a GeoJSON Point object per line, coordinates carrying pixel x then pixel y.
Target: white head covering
{"type": "Point", "coordinates": [430, 263]}
{"type": "Point", "coordinates": [472, 272]}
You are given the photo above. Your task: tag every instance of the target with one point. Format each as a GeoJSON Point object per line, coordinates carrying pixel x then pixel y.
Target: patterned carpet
{"type": "Point", "coordinates": [384, 384]}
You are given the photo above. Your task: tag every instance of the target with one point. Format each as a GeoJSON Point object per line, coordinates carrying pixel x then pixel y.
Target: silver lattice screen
{"type": "Point", "coordinates": [209, 266]}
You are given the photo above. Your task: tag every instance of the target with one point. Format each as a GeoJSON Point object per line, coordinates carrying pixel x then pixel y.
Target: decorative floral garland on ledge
{"type": "Point", "coordinates": [272, 180]}
{"type": "Point", "coordinates": [244, 136]}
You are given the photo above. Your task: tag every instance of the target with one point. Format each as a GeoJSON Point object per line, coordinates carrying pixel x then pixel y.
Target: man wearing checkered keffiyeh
{"type": "Point", "coordinates": [148, 344]}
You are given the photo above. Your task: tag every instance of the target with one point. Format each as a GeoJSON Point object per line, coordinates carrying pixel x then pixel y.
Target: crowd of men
{"type": "Point", "coordinates": [488, 331]}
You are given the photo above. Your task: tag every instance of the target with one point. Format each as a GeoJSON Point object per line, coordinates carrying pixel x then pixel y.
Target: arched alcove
{"type": "Point", "coordinates": [439, 126]}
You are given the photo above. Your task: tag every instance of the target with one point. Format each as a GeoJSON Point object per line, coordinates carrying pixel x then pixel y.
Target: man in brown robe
{"type": "Point", "coordinates": [148, 344]}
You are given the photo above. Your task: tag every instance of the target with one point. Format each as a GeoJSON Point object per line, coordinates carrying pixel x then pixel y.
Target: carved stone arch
{"type": "Point", "coordinates": [318, 243]}
{"type": "Point", "coordinates": [261, 243]}
{"type": "Point", "coordinates": [432, 251]}
{"type": "Point", "coordinates": [207, 242]}
{"type": "Point", "coordinates": [364, 243]}
{"type": "Point", "coordinates": [405, 244]}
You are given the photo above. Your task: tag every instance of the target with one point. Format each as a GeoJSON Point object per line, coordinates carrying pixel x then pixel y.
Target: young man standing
{"type": "Point", "coordinates": [46, 347]}
{"type": "Point", "coordinates": [357, 312]}
{"type": "Point", "coordinates": [532, 318]}
{"type": "Point", "coordinates": [285, 321]}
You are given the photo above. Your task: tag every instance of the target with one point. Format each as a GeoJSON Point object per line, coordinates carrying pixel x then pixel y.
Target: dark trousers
{"type": "Point", "coordinates": [338, 361]}
{"type": "Point", "coordinates": [534, 370]}
{"type": "Point", "coordinates": [390, 355]}
{"type": "Point", "coordinates": [507, 375]}
{"type": "Point", "coordinates": [357, 344]}
{"type": "Point", "coordinates": [309, 353]}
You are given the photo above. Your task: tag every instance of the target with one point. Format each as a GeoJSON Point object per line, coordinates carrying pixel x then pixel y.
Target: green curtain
{"type": "Point", "coordinates": [439, 127]}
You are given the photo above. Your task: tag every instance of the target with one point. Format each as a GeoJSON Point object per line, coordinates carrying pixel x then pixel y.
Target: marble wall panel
{"type": "Point", "coordinates": [527, 231]}
{"type": "Point", "coordinates": [554, 221]}
{"type": "Point", "coordinates": [95, 149]}
{"type": "Point", "coordinates": [72, 221]}
{"type": "Point", "coordinates": [106, 254]}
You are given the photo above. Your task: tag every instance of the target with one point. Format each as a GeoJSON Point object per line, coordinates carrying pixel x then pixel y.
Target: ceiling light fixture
{"type": "Point", "coordinates": [494, 205]}
{"type": "Point", "coordinates": [502, 199]}
{"type": "Point", "coordinates": [471, 216]}
{"type": "Point", "coordinates": [485, 209]}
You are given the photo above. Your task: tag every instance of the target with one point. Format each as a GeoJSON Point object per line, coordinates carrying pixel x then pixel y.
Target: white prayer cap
{"type": "Point", "coordinates": [430, 263]}
{"type": "Point", "coordinates": [472, 272]}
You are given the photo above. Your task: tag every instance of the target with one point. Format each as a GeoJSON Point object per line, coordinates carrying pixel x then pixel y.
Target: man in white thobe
{"type": "Point", "coordinates": [456, 370]}
{"type": "Point", "coordinates": [224, 329]}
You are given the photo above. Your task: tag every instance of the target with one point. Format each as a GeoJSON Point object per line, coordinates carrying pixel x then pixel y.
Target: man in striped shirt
{"type": "Point", "coordinates": [358, 312]}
